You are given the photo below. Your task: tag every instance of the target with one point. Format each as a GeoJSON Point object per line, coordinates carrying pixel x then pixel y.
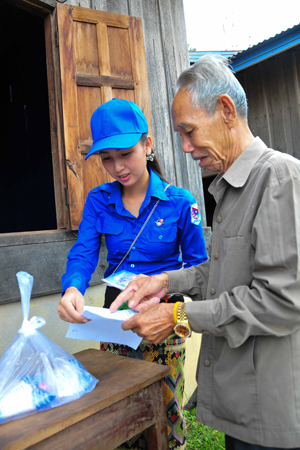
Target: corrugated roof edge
{"type": "Point", "coordinates": [195, 55]}
{"type": "Point", "coordinates": [240, 59]}
{"type": "Point", "coordinates": [266, 49]}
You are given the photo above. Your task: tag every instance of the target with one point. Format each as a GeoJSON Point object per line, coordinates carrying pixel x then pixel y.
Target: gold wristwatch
{"type": "Point", "coordinates": [182, 327]}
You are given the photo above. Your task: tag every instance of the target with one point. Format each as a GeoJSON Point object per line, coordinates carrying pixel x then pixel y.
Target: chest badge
{"type": "Point", "coordinates": [159, 222]}
{"type": "Point", "coordinates": [195, 214]}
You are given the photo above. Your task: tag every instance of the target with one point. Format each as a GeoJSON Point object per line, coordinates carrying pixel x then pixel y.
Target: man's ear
{"type": "Point", "coordinates": [228, 109]}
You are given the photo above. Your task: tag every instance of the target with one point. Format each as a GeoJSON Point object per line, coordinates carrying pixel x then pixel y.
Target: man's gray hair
{"type": "Point", "coordinates": [207, 79]}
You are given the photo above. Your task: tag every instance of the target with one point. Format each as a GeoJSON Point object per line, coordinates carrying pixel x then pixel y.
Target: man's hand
{"type": "Point", "coordinates": [71, 306]}
{"type": "Point", "coordinates": [154, 323]}
{"type": "Point", "coordinates": [143, 291]}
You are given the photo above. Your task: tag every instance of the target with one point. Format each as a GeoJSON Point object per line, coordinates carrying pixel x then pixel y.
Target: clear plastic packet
{"type": "Point", "coordinates": [120, 279]}
{"type": "Point", "coordinates": [35, 373]}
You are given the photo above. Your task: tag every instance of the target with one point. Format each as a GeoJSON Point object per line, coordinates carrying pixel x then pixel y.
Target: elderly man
{"type": "Point", "coordinates": [247, 295]}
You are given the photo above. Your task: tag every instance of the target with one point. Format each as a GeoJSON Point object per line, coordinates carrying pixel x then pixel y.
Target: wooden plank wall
{"type": "Point", "coordinates": [167, 56]}
{"type": "Point", "coordinates": [273, 92]}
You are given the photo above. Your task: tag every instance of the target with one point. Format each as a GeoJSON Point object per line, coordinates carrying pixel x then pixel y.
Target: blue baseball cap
{"type": "Point", "coordinates": [117, 124]}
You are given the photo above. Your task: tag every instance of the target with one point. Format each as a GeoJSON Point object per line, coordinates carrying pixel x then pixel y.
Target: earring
{"type": "Point", "coordinates": [150, 157]}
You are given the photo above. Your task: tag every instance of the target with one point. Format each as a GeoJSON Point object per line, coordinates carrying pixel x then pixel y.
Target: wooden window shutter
{"type": "Point", "coordinates": [102, 56]}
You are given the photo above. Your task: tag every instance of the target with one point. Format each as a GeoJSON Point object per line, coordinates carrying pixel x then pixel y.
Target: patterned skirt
{"type": "Point", "coordinates": [171, 353]}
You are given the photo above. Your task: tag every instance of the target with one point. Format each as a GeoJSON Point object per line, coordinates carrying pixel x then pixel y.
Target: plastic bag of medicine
{"type": "Point", "coordinates": [35, 373]}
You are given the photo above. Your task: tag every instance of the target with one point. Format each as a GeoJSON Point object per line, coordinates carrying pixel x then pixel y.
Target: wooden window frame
{"type": "Point", "coordinates": [55, 112]}
{"type": "Point", "coordinates": [21, 250]}
{"type": "Point", "coordinates": [48, 12]}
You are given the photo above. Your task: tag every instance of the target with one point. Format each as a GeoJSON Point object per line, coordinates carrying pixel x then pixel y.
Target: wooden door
{"type": "Point", "coordinates": [102, 56]}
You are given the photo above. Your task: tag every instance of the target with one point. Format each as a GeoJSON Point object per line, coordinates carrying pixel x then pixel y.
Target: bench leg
{"type": "Point", "coordinates": [157, 438]}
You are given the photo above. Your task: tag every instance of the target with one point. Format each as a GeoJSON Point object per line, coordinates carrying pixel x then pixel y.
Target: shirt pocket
{"type": "Point", "coordinates": [113, 230]}
{"type": "Point", "coordinates": [161, 242]}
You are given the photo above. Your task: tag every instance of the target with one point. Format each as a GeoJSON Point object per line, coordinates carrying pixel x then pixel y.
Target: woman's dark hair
{"type": "Point", "coordinates": [154, 165]}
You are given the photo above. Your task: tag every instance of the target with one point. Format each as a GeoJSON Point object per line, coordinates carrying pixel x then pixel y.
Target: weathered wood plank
{"type": "Point", "coordinates": [292, 99]}
{"type": "Point", "coordinates": [172, 71]}
{"type": "Point", "coordinates": [119, 53]}
{"type": "Point", "coordinates": [113, 82]}
{"type": "Point", "coordinates": [36, 237]}
{"type": "Point", "coordinates": [98, 4]}
{"type": "Point", "coordinates": [62, 212]}
{"type": "Point", "coordinates": [117, 6]}
{"type": "Point", "coordinates": [139, 68]}
{"type": "Point", "coordinates": [41, 8]}
{"type": "Point", "coordinates": [84, 147]}
{"type": "Point", "coordinates": [85, 434]}
{"type": "Point", "coordinates": [272, 88]}
{"type": "Point", "coordinates": [70, 113]}
{"type": "Point", "coordinates": [162, 134]}
{"type": "Point", "coordinates": [135, 8]}
{"type": "Point", "coordinates": [294, 95]}
{"type": "Point", "coordinates": [83, 3]}
{"type": "Point", "coordinates": [110, 18]}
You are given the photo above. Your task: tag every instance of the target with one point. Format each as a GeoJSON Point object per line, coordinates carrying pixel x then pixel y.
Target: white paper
{"type": "Point", "coordinates": [104, 326]}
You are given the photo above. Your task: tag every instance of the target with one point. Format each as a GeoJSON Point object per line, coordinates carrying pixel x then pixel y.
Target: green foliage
{"type": "Point", "coordinates": [201, 437]}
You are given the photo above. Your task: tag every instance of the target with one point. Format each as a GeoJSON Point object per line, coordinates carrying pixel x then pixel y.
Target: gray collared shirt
{"type": "Point", "coordinates": [249, 365]}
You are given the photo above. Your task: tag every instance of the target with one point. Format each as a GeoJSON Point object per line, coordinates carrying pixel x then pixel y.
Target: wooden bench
{"type": "Point", "coordinates": [128, 399]}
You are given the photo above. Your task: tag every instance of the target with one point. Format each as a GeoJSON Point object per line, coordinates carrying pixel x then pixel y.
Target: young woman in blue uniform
{"type": "Point", "coordinates": [172, 236]}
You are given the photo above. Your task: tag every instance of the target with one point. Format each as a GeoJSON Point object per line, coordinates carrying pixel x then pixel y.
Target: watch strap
{"type": "Point", "coordinates": [176, 305]}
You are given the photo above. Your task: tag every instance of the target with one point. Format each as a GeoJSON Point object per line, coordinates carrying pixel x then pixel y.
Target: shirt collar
{"type": "Point", "coordinates": [114, 192]}
{"type": "Point", "coordinates": [239, 171]}
{"type": "Point", "coordinates": [156, 187]}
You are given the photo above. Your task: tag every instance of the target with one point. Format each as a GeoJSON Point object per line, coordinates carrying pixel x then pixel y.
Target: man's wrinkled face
{"type": "Point", "coordinates": [205, 136]}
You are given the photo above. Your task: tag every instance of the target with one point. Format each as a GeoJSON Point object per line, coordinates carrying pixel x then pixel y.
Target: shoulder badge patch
{"type": "Point", "coordinates": [195, 214]}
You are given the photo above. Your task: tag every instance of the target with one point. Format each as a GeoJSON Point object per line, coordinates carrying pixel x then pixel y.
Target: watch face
{"type": "Point", "coordinates": [182, 330]}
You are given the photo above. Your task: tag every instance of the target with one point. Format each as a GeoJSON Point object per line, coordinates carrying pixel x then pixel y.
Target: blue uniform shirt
{"type": "Point", "coordinates": [175, 225]}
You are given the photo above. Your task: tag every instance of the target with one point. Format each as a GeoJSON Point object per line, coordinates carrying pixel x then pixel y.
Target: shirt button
{"type": "Point", "coordinates": [219, 219]}
{"type": "Point", "coordinates": [132, 265]}
{"type": "Point", "coordinates": [216, 255]}
{"type": "Point", "coordinates": [160, 237]}
{"type": "Point", "coordinates": [212, 291]}
{"type": "Point", "coordinates": [206, 362]}
{"type": "Point", "coordinates": [133, 248]}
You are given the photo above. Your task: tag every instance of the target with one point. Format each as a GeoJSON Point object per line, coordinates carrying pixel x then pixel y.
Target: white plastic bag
{"type": "Point", "coordinates": [35, 373]}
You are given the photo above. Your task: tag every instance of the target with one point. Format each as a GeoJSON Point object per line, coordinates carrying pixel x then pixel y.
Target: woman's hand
{"type": "Point", "coordinates": [71, 306]}
{"type": "Point", "coordinates": [143, 291]}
